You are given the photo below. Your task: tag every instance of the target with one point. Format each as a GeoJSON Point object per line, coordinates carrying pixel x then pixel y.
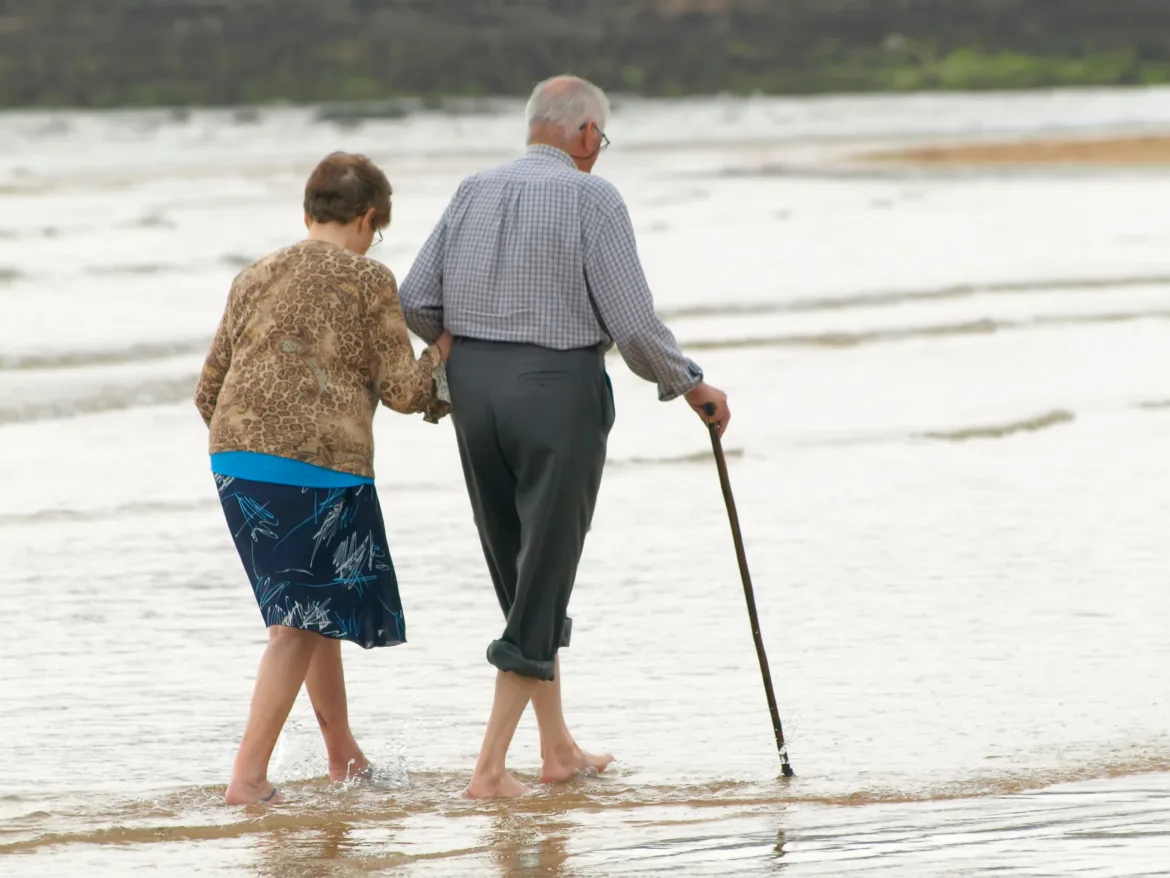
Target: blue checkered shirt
{"type": "Point", "coordinates": [536, 252]}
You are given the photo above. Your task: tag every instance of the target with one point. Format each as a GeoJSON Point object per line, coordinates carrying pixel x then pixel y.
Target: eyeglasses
{"type": "Point", "coordinates": [604, 140]}
{"type": "Point", "coordinates": [377, 238]}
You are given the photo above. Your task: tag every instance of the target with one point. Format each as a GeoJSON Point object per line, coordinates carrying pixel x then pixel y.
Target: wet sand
{"type": "Point", "coordinates": [614, 828]}
{"type": "Point", "coordinates": [1113, 151]}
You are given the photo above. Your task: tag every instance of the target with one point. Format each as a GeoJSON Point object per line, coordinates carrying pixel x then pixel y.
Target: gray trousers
{"type": "Point", "coordinates": [532, 425]}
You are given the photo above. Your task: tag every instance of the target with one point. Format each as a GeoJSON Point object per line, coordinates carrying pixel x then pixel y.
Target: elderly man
{"type": "Point", "coordinates": [534, 269]}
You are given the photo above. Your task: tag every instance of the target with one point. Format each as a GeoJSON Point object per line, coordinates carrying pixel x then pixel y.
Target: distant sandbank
{"type": "Point", "coordinates": [1144, 150]}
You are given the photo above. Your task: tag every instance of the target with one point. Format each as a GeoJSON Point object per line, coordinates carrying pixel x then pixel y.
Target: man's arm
{"type": "Point", "coordinates": [618, 286]}
{"type": "Point", "coordinates": [215, 368]}
{"type": "Point", "coordinates": [421, 293]}
{"type": "Point", "coordinates": [403, 383]}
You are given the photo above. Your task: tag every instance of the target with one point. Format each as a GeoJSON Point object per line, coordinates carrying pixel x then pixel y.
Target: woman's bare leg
{"type": "Point", "coordinates": [562, 758]}
{"type": "Point", "coordinates": [282, 671]}
{"type": "Point", "coordinates": [325, 681]}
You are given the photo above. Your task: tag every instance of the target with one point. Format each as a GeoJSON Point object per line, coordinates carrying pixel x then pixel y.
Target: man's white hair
{"type": "Point", "coordinates": [567, 102]}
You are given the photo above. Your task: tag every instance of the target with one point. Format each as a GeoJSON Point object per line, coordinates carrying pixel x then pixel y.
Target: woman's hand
{"type": "Point", "coordinates": [444, 343]}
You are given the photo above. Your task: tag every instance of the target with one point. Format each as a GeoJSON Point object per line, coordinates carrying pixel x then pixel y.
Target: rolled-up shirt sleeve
{"type": "Point", "coordinates": [617, 285]}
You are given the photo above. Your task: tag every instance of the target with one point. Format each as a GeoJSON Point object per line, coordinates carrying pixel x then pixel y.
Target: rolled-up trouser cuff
{"type": "Point", "coordinates": [507, 657]}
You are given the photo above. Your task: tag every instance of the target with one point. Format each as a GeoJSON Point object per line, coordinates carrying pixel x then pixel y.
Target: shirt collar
{"type": "Point", "coordinates": [553, 153]}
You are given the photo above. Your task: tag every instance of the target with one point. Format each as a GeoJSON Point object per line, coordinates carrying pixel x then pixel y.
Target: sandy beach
{"type": "Point", "coordinates": [1110, 151]}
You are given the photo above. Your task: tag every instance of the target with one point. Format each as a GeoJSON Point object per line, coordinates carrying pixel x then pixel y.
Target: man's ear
{"type": "Point", "coordinates": [581, 141]}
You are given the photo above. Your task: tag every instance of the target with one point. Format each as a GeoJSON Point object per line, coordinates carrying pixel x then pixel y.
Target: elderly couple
{"type": "Point", "coordinates": [531, 274]}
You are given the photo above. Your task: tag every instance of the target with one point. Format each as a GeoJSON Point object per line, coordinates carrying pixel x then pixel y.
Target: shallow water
{"type": "Point", "coordinates": [950, 402]}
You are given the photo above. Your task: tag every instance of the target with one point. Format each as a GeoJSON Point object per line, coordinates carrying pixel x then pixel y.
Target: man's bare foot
{"type": "Point", "coordinates": [503, 787]}
{"type": "Point", "coordinates": [349, 769]}
{"type": "Point", "coordinates": [559, 767]}
{"type": "Point", "coordinates": [250, 794]}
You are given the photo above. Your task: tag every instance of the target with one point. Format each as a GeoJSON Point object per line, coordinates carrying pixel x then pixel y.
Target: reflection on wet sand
{"type": "Point", "coordinates": [522, 846]}
{"type": "Point", "coordinates": [585, 829]}
{"type": "Point", "coordinates": [291, 853]}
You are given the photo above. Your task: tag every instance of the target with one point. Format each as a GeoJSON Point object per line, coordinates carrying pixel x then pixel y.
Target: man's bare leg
{"type": "Point", "coordinates": [282, 670]}
{"type": "Point", "coordinates": [326, 684]}
{"type": "Point", "coordinates": [491, 779]}
{"type": "Point", "coordinates": [562, 758]}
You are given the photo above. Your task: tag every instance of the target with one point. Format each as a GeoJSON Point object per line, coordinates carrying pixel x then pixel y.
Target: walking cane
{"type": "Point", "coordinates": [748, 594]}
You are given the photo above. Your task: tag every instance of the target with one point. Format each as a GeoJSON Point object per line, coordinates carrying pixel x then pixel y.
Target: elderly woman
{"type": "Point", "coordinates": [311, 339]}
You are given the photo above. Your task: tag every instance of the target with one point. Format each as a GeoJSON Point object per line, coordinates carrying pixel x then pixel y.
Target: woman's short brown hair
{"type": "Point", "coordinates": [345, 186]}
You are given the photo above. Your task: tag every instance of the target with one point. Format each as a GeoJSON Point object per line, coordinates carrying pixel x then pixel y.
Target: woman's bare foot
{"type": "Point", "coordinates": [503, 787]}
{"type": "Point", "coordinates": [341, 770]}
{"type": "Point", "coordinates": [559, 767]}
{"type": "Point", "coordinates": [239, 793]}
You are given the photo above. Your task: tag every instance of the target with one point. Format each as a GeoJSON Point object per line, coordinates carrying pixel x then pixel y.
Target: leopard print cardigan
{"type": "Point", "coordinates": [311, 339]}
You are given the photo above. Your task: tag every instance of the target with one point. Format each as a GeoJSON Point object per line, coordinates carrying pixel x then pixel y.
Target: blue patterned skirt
{"type": "Point", "coordinates": [317, 558]}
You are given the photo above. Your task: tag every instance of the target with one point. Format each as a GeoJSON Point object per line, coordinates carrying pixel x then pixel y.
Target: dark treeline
{"type": "Point", "coordinates": [146, 52]}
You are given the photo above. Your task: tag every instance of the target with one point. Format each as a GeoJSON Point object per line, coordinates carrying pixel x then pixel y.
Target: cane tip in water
{"type": "Point", "coordinates": [787, 771]}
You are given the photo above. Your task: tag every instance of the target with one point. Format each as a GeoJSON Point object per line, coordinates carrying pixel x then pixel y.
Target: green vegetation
{"type": "Point", "coordinates": [97, 53]}
{"type": "Point", "coordinates": [908, 66]}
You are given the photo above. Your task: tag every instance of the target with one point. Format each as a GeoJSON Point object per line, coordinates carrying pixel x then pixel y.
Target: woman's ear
{"type": "Point", "coordinates": [371, 218]}
{"type": "Point", "coordinates": [308, 221]}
